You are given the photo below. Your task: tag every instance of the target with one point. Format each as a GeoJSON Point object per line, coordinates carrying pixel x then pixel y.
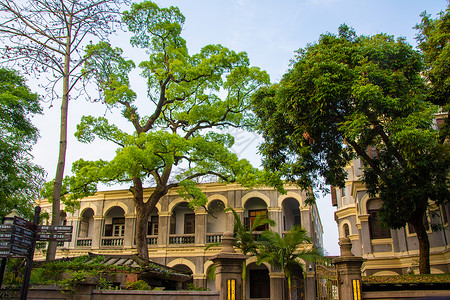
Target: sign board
{"type": "Point", "coordinates": [17, 251]}
{"type": "Point", "coordinates": [21, 242]}
{"type": "Point", "coordinates": [5, 228]}
{"type": "Point", "coordinates": [23, 232]}
{"type": "Point", "coordinates": [54, 229]}
{"type": "Point", "coordinates": [24, 223]}
{"type": "Point", "coordinates": [44, 237]}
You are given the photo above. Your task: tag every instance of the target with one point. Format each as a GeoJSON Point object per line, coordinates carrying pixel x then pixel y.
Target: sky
{"type": "Point", "coordinates": [270, 32]}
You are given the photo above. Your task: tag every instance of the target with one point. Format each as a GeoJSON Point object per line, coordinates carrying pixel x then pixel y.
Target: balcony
{"type": "Point", "coordinates": [112, 241]}
{"type": "Point", "coordinates": [152, 239]}
{"type": "Point", "coordinates": [84, 242]}
{"type": "Point", "coordinates": [212, 238]}
{"type": "Point", "coordinates": [181, 239]}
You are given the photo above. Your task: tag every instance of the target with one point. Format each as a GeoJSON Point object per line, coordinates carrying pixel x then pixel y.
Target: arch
{"type": "Point", "coordinates": [341, 228]}
{"type": "Point", "coordinates": [291, 213]}
{"type": "Point", "coordinates": [206, 265]}
{"type": "Point", "coordinates": [86, 206]}
{"type": "Point", "coordinates": [255, 194]}
{"type": "Point", "coordinates": [183, 261]}
{"type": "Point", "coordinates": [218, 197]}
{"type": "Point", "coordinates": [253, 259]}
{"type": "Point", "coordinates": [291, 194]}
{"type": "Point", "coordinates": [363, 205]}
{"type": "Point", "coordinates": [116, 203]}
{"type": "Point", "coordinates": [175, 203]}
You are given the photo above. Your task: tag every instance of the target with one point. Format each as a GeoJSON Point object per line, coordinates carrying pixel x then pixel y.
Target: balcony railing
{"type": "Point", "coordinates": [112, 241]}
{"type": "Point", "coordinates": [213, 238]}
{"type": "Point", "coordinates": [181, 239]}
{"type": "Point", "coordinates": [84, 242]}
{"type": "Point", "coordinates": [152, 239]}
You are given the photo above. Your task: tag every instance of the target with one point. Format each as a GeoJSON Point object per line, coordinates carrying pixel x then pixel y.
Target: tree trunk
{"type": "Point", "coordinates": [51, 250]}
{"type": "Point", "coordinates": [424, 243]}
{"type": "Point", "coordinates": [244, 278]}
{"type": "Point", "coordinates": [290, 287]}
{"type": "Point", "coordinates": [142, 214]}
{"type": "Point", "coordinates": [143, 210]}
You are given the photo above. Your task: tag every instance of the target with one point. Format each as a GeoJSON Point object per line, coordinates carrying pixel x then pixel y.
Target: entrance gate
{"type": "Point", "coordinates": [327, 281]}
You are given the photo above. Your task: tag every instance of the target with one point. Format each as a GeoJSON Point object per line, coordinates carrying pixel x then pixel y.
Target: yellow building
{"type": "Point", "coordinates": [387, 251]}
{"type": "Point", "coordinates": [178, 236]}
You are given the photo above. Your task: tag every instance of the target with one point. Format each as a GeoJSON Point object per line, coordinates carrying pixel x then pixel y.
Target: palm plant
{"type": "Point", "coordinates": [245, 239]}
{"type": "Point", "coordinates": [286, 252]}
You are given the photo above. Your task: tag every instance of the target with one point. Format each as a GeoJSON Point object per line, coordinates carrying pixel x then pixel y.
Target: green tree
{"type": "Point", "coordinates": [433, 38]}
{"type": "Point", "coordinates": [287, 252]}
{"type": "Point", "coordinates": [177, 139]}
{"type": "Point", "coordinates": [245, 239]}
{"type": "Point", "coordinates": [20, 179]}
{"type": "Point", "coordinates": [344, 95]}
{"type": "Point", "coordinates": [46, 38]}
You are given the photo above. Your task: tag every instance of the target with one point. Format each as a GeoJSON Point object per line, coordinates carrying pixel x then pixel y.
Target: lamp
{"type": "Point", "coordinates": [9, 218]}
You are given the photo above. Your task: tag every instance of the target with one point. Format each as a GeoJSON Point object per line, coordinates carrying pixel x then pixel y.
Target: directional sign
{"type": "Point", "coordinates": [21, 242]}
{"type": "Point", "coordinates": [19, 251]}
{"type": "Point", "coordinates": [5, 236]}
{"type": "Point", "coordinates": [23, 232]}
{"type": "Point", "coordinates": [5, 228]}
{"type": "Point", "coordinates": [24, 223]}
{"type": "Point", "coordinates": [44, 237]}
{"type": "Point", "coordinates": [54, 229]}
{"type": "Point", "coordinates": [4, 253]}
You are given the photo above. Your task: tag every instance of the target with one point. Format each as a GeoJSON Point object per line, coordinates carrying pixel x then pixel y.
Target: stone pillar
{"type": "Point", "coordinates": [75, 222]}
{"type": "Point", "coordinates": [229, 269]}
{"type": "Point", "coordinates": [276, 215]}
{"type": "Point", "coordinates": [276, 285]}
{"type": "Point", "coordinates": [365, 234]}
{"type": "Point", "coordinates": [97, 233]}
{"type": "Point", "coordinates": [130, 226]}
{"type": "Point", "coordinates": [349, 272]}
{"type": "Point", "coordinates": [200, 227]}
{"type": "Point", "coordinates": [164, 227]}
{"type": "Point", "coordinates": [310, 284]}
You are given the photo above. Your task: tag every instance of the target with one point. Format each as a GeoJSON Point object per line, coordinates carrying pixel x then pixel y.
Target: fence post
{"type": "Point", "coordinates": [229, 269]}
{"type": "Point", "coordinates": [349, 272]}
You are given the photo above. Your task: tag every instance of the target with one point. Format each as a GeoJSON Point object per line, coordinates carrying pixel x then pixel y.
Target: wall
{"type": "Point", "coordinates": [89, 294]}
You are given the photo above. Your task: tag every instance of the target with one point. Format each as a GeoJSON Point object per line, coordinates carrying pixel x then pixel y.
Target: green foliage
{"type": "Point", "coordinates": [347, 94]}
{"type": "Point", "coordinates": [21, 179]}
{"type": "Point", "coordinates": [402, 279]}
{"type": "Point", "coordinates": [137, 285]}
{"type": "Point", "coordinates": [286, 251]}
{"type": "Point", "coordinates": [433, 38]}
{"type": "Point", "coordinates": [179, 138]}
{"type": "Point", "coordinates": [244, 237]}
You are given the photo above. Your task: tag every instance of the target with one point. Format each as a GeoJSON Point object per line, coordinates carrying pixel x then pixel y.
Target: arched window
{"type": "Point", "coordinates": [346, 230]}
{"type": "Point", "coordinates": [377, 230]}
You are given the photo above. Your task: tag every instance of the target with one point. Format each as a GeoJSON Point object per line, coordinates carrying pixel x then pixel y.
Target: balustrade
{"type": "Point", "coordinates": [152, 239]}
{"type": "Point", "coordinates": [213, 238]}
{"type": "Point", "coordinates": [182, 239]}
{"type": "Point", "coordinates": [112, 241]}
{"type": "Point", "coordinates": [84, 242]}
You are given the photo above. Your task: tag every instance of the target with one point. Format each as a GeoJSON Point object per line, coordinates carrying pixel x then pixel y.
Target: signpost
{"type": "Point", "coordinates": [19, 240]}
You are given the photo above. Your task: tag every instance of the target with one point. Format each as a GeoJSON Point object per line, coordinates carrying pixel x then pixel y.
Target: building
{"type": "Point", "coordinates": [387, 251]}
{"type": "Point", "coordinates": [178, 236]}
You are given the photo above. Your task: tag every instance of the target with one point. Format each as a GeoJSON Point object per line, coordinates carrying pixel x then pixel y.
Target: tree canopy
{"type": "Point", "coordinates": [433, 38]}
{"type": "Point", "coordinates": [46, 38]}
{"type": "Point", "coordinates": [347, 94]}
{"type": "Point", "coordinates": [178, 135]}
{"type": "Point", "coordinates": [20, 179]}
